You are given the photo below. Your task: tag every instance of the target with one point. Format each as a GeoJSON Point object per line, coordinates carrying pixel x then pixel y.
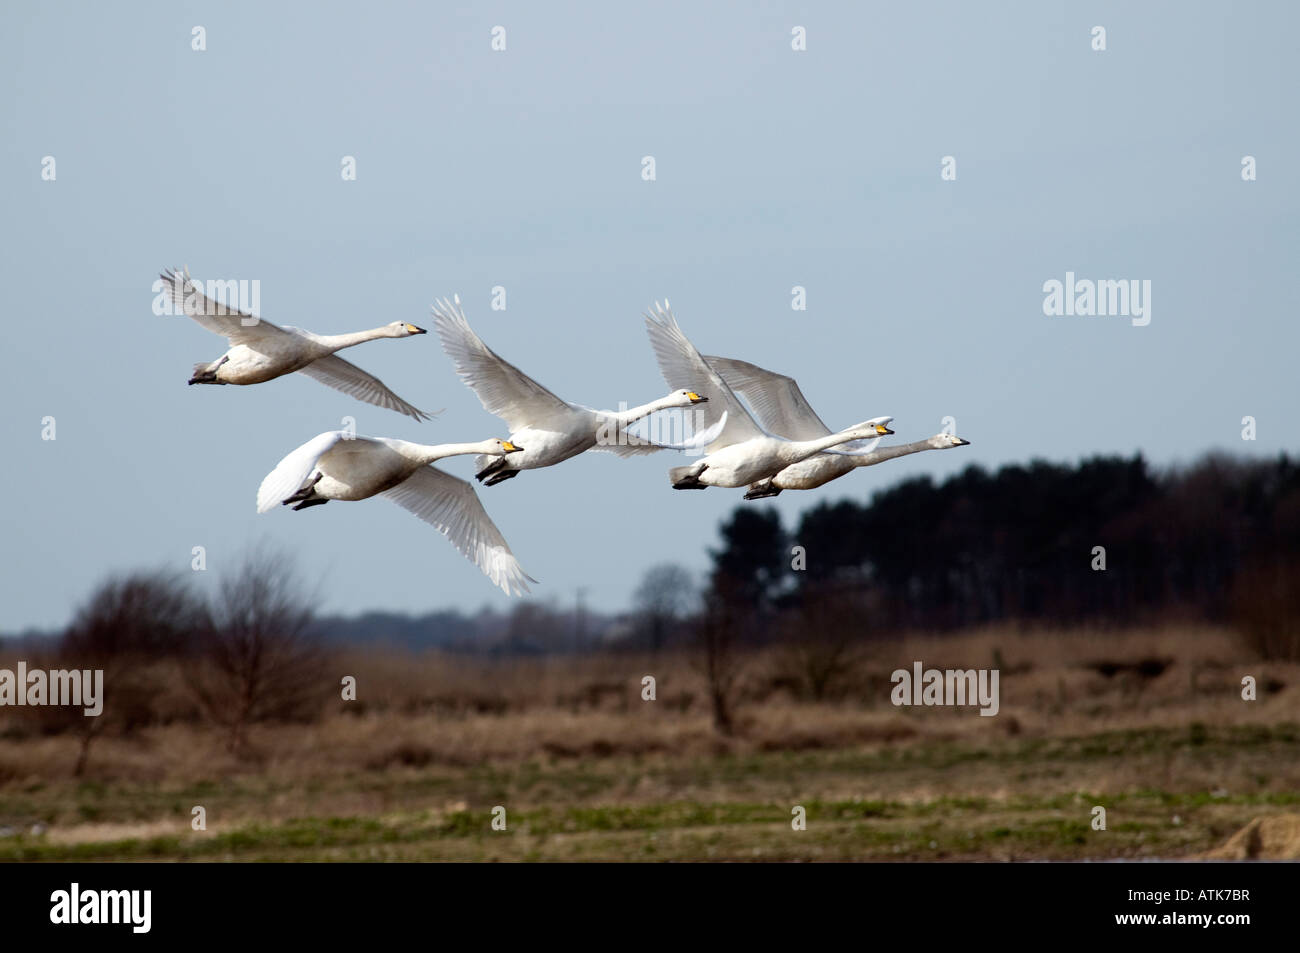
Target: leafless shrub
{"type": "Point", "coordinates": [255, 663]}
{"type": "Point", "coordinates": [819, 656]}
{"type": "Point", "coordinates": [126, 627]}
{"type": "Point", "coordinates": [665, 595]}
{"type": "Point", "coordinates": [718, 632]}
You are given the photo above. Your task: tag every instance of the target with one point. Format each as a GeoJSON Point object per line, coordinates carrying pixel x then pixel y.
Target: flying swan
{"type": "Point", "coordinates": [744, 452]}
{"type": "Point", "coordinates": [552, 429]}
{"type": "Point", "coordinates": [337, 465]}
{"type": "Point", "coordinates": [261, 351]}
{"type": "Point", "coordinates": [782, 409]}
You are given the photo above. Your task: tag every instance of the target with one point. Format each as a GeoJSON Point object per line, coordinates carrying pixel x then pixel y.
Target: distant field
{"type": "Point", "coordinates": [1178, 761]}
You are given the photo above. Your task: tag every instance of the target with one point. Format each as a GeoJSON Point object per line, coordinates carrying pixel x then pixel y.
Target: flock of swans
{"type": "Point", "coordinates": [770, 442]}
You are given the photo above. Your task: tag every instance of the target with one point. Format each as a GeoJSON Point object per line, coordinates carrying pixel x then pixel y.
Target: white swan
{"type": "Point", "coordinates": [782, 409]}
{"type": "Point", "coordinates": [339, 466]}
{"type": "Point", "coordinates": [550, 428]}
{"type": "Point", "coordinates": [261, 351]}
{"type": "Point", "coordinates": [744, 452]}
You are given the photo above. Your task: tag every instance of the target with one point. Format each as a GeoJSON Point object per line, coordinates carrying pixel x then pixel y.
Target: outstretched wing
{"type": "Point", "coordinates": [237, 327]}
{"type": "Point", "coordinates": [451, 505]}
{"type": "Point", "coordinates": [636, 444]}
{"type": "Point", "coordinates": [503, 389]}
{"type": "Point", "coordinates": [343, 375]}
{"type": "Point", "coordinates": [683, 367]}
{"type": "Point", "coordinates": [780, 405]}
{"type": "Point", "coordinates": [777, 400]}
{"type": "Point", "coordinates": [292, 472]}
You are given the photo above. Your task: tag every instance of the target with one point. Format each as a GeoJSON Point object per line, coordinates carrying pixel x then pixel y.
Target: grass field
{"type": "Point", "coordinates": [585, 771]}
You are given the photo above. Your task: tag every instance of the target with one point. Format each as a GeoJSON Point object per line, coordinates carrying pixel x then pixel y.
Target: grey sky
{"type": "Point", "coordinates": [522, 168]}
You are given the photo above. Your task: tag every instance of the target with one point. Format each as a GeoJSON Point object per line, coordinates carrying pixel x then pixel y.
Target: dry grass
{"type": "Point", "coordinates": [434, 739]}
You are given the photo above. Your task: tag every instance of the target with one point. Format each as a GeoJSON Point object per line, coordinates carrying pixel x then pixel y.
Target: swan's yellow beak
{"type": "Point", "coordinates": [696, 398]}
{"type": "Point", "coordinates": [412, 329]}
{"type": "Point", "coordinates": [883, 430]}
{"type": "Point", "coordinates": [510, 447]}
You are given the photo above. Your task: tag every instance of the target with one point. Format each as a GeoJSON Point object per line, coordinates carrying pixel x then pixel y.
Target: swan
{"type": "Point", "coordinates": [833, 464]}
{"type": "Point", "coordinates": [261, 351]}
{"type": "Point", "coordinates": [782, 408]}
{"type": "Point", "coordinates": [551, 428]}
{"type": "Point", "coordinates": [744, 452]}
{"type": "Point", "coordinates": [338, 465]}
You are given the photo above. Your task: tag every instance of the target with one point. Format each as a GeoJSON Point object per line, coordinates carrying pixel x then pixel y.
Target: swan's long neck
{"type": "Point", "coordinates": [428, 453]}
{"type": "Point", "coordinates": [337, 342]}
{"type": "Point", "coordinates": [626, 418]}
{"type": "Point", "coordinates": [806, 448]}
{"type": "Point", "coordinates": [889, 453]}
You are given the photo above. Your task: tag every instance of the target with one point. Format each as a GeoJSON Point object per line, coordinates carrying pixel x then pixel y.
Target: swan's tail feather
{"type": "Point", "coordinates": [678, 474]}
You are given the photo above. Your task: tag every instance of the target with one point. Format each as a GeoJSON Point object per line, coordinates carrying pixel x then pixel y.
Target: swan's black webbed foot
{"type": "Point", "coordinates": [499, 476]}
{"type": "Point", "coordinates": [759, 493]}
{"type": "Point", "coordinates": [321, 501]}
{"type": "Point", "coordinates": [494, 467]}
{"type": "Point", "coordinates": [209, 374]}
{"type": "Point", "coordinates": [305, 493]}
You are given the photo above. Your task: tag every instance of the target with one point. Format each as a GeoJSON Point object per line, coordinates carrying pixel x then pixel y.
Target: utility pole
{"type": "Point", "coordinates": [580, 621]}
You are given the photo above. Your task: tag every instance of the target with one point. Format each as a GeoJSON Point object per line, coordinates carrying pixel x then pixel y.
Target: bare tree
{"type": "Point", "coordinates": [1266, 608]}
{"type": "Point", "coordinates": [666, 593]}
{"type": "Point", "coordinates": [819, 654]}
{"type": "Point", "coordinates": [256, 662]}
{"type": "Point", "coordinates": [720, 624]}
{"type": "Point", "coordinates": [128, 624]}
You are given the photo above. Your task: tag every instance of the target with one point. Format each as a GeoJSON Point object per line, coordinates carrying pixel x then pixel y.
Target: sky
{"type": "Point", "coordinates": [774, 168]}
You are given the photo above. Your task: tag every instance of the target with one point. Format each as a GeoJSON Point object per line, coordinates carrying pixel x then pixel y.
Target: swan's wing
{"type": "Point", "coordinates": [503, 389]}
{"type": "Point", "coordinates": [636, 444]}
{"type": "Point", "coordinates": [777, 400]}
{"type": "Point", "coordinates": [292, 472]}
{"type": "Point", "coordinates": [451, 505]}
{"type": "Point", "coordinates": [213, 315]}
{"type": "Point", "coordinates": [343, 375]}
{"type": "Point", "coordinates": [683, 367]}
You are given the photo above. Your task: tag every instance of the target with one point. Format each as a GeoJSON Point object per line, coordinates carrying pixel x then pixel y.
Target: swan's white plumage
{"type": "Point", "coordinates": [504, 390]}
{"type": "Point", "coordinates": [744, 452]}
{"type": "Point", "coordinates": [779, 404]}
{"type": "Point", "coordinates": [334, 371]}
{"type": "Point", "coordinates": [679, 362]}
{"type": "Point", "coordinates": [451, 505]}
{"type": "Point", "coordinates": [547, 428]}
{"type": "Point", "coordinates": [292, 472]}
{"type": "Point", "coordinates": [638, 444]}
{"type": "Point", "coordinates": [356, 467]}
{"type": "Point", "coordinates": [261, 351]}
{"type": "Point", "coordinates": [237, 327]}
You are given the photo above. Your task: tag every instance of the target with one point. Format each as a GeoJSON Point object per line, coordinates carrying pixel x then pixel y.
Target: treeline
{"type": "Point", "coordinates": [1108, 539]}
{"type": "Point", "coordinates": [533, 627]}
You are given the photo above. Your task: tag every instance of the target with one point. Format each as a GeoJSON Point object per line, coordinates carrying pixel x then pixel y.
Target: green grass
{"type": "Point", "coordinates": [1029, 798]}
